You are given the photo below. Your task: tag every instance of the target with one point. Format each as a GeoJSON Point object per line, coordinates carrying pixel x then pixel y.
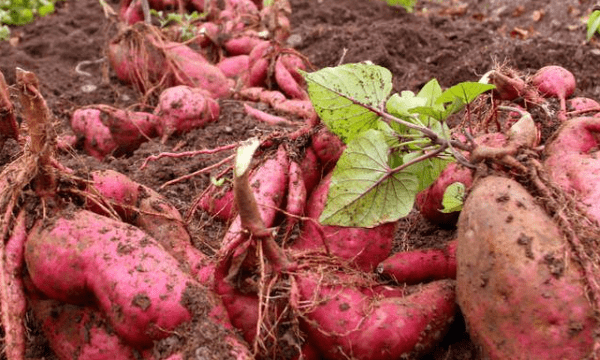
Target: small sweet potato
{"type": "Point", "coordinates": [107, 130]}
{"type": "Point", "coordinates": [421, 265]}
{"type": "Point", "coordinates": [328, 147]}
{"type": "Point", "coordinates": [183, 108]}
{"type": "Point", "coordinates": [287, 83]}
{"type": "Point", "coordinates": [521, 296]}
{"type": "Point", "coordinates": [429, 201]}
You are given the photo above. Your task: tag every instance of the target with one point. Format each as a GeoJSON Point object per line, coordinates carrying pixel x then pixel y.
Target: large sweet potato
{"type": "Point", "coordinates": [572, 161]}
{"type": "Point", "coordinates": [81, 256]}
{"type": "Point", "coordinates": [520, 295]}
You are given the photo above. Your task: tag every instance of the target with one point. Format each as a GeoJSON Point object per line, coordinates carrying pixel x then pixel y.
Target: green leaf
{"type": "Point", "coordinates": [339, 96]}
{"type": "Point", "coordinates": [426, 171]}
{"type": "Point", "coordinates": [363, 192]}
{"type": "Point", "coordinates": [466, 92]}
{"type": "Point", "coordinates": [4, 33]}
{"type": "Point", "coordinates": [454, 197]}
{"type": "Point", "coordinates": [408, 5]}
{"type": "Point", "coordinates": [432, 91]}
{"type": "Point", "coordinates": [46, 9]}
{"type": "Point", "coordinates": [592, 24]}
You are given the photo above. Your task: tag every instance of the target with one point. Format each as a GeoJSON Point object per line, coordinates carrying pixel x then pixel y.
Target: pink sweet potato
{"type": "Point", "coordinates": [363, 248]}
{"type": "Point", "coordinates": [191, 68]}
{"type": "Point", "coordinates": [311, 170]}
{"type": "Point", "coordinates": [296, 197]}
{"type": "Point", "coordinates": [421, 265]}
{"type": "Point", "coordinates": [287, 83]}
{"type": "Point", "coordinates": [97, 139]}
{"type": "Point", "coordinates": [234, 66]}
{"type": "Point", "coordinates": [521, 295]}
{"type": "Point", "coordinates": [555, 81]}
{"type": "Point", "coordinates": [81, 256]}
{"type": "Point", "coordinates": [242, 45]}
{"type": "Point", "coordinates": [341, 321]}
{"type": "Point", "coordinates": [429, 201]}
{"type": "Point", "coordinates": [106, 130]}
{"type": "Point", "coordinates": [582, 104]}
{"type": "Point", "coordinates": [143, 207]}
{"type": "Point", "coordinates": [258, 64]}
{"type": "Point", "coordinates": [183, 108]}
{"type": "Point", "coordinates": [328, 147]}
{"type": "Point", "coordinates": [142, 57]}
{"type": "Point", "coordinates": [12, 298]}
{"type": "Point", "coordinates": [572, 161]}
{"type": "Point", "coordinates": [81, 333]}
{"type": "Point", "coordinates": [218, 201]}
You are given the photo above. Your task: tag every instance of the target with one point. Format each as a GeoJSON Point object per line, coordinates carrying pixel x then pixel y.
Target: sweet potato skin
{"type": "Point", "coordinates": [519, 297]}
{"type": "Point", "coordinates": [81, 256]}
{"type": "Point", "coordinates": [421, 265]}
{"type": "Point", "coordinates": [348, 322]}
{"type": "Point", "coordinates": [571, 160]}
{"type": "Point", "coordinates": [80, 332]}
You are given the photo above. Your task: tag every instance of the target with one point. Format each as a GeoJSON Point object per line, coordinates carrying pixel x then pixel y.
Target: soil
{"type": "Point", "coordinates": [452, 41]}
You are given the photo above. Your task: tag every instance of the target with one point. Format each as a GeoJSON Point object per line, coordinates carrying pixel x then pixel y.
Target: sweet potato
{"type": "Point", "coordinates": [234, 66]}
{"type": "Point", "coordinates": [12, 298]}
{"type": "Point", "coordinates": [296, 197]}
{"type": "Point", "coordinates": [217, 201]}
{"type": "Point", "coordinates": [311, 170]}
{"type": "Point", "coordinates": [363, 248]}
{"type": "Point", "coordinates": [143, 207]}
{"type": "Point", "coordinates": [81, 333]}
{"type": "Point", "coordinates": [328, 147]}
{"type": "Point", "coordinates": [183, 108]}
{"type": "Point", "coordinates": [429, 201]}
{"type": "Point", "coordinates": [142, 57]}
{"type": "Point", "coordinates": [582, 104]}
{"type": "Point", "coordinates": [572, 163]}
{"type": "Point", "coordinates": [287, 83]}
{"type": "Point", "coordinates": [555, 81]}
{"type": "Point", "coordinates": [191, 68]}
{"type": "Point", "coordinates": [258, 64]}
{"type": "Point", "coordinates": [421, 265]}
{"type": "Point", "coordinates": [242, 45]}
{"type": "Point", "coordinates": [97, 139]}
{"type": "Point", "coordinates": [341, 321]}
{"type": "Point", "coordinates": [522, 298]}
{"type": "Point", "coordinates": [106, 130]}
{"type": "Point", "coordinates": [267, 118]}
{"type": "Point", "coordinates": [79, 256]}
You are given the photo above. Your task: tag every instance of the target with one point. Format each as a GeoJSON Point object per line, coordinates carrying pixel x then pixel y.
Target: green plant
{"type": "Point", "coordinates": [593, 23]}
{"type": "Point", "coordinates": [21, 12]}
{"type": "Point", "coordinates": [396, 145]}
{"type": "Point", "coordinates": [409, 5]}
{"type": "Point", "coordinates": [184, 21]}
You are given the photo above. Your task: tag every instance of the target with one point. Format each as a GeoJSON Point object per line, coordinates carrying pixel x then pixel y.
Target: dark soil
{"type": "Point", "coordinates": [452, 41]}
